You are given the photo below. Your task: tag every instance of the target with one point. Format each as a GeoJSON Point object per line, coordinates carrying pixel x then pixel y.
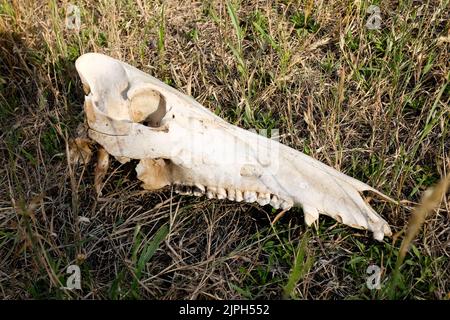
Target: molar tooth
{"type": "Point", "coordinates": [286, 204]}
{"type": "Point", "coordinates": [201, 187]}
{"type": "Point", "coordinates": [221, 193]}
{"type": "Point", "coordinates": [184, 190]}
{"type": "Point", "coordinates": [198, 190]}
{"type": "Point", "coordinates": [249, 196]}
{"type": "Point", "coordinates": [239, 196]}
{"type": "Point", "coordinates": [211, 192]}
{"type": "Point", "coordinates": [263, 198]}
{"type": "Point", "coordinates": [231, 194]}
{"type": "Point", "coordinates": [274, 202]}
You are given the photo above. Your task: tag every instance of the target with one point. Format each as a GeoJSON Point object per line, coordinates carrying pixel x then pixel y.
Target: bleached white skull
{"type": "Point", "coordinates": [179, 142]}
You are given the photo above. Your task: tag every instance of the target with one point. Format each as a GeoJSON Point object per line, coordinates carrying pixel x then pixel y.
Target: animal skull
{"type": "Point", "coordinates": [179, 142]}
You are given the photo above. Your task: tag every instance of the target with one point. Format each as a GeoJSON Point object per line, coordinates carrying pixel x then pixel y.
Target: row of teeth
{"type": "Point", "coordinates": [234, 195]}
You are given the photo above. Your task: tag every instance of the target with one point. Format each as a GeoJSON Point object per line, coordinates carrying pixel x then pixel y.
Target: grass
{"type": "Point", "coordinates": [374, 104]}
{"type": "Point", "coordinates": [301, 267]}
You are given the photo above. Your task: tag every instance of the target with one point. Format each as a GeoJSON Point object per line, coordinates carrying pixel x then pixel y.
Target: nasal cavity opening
{"type": "Point", "coordinates": [148, 107]}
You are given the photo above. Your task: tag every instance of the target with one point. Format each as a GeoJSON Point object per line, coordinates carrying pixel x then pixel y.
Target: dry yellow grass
{"type": "Point", "coordinates": [429, 203]}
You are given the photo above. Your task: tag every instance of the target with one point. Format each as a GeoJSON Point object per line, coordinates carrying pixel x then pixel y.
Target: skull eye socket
{"type": "Point", "coordinates": [147, 106]}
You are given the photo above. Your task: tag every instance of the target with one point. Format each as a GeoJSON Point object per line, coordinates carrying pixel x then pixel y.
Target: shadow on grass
{"type": "Point", "coordinates": [40, 106]}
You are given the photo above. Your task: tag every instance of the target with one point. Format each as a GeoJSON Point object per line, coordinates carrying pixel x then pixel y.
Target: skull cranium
{"type": "Point", "coordinates": [179, 142]}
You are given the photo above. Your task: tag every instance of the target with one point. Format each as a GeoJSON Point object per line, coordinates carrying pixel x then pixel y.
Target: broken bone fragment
{"type": "Point", "coordinates": [154, 173]}
{"type": "Point", "coordinates": [80, 151]}
{"type": "Point", "coordinates": [180, 143]}
{"type": "Point", "coordinates": [101, 169]}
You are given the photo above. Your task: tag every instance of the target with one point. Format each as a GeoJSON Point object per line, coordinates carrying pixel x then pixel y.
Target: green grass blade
{"type": "Point", "coordinates": [302, 264]}
{"type": "Point", "coordinates": [235, 21]}
{"type": "Point", "coordinates": [147, 254]}
{"type": "Point", "coordinates": [266, 36]}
